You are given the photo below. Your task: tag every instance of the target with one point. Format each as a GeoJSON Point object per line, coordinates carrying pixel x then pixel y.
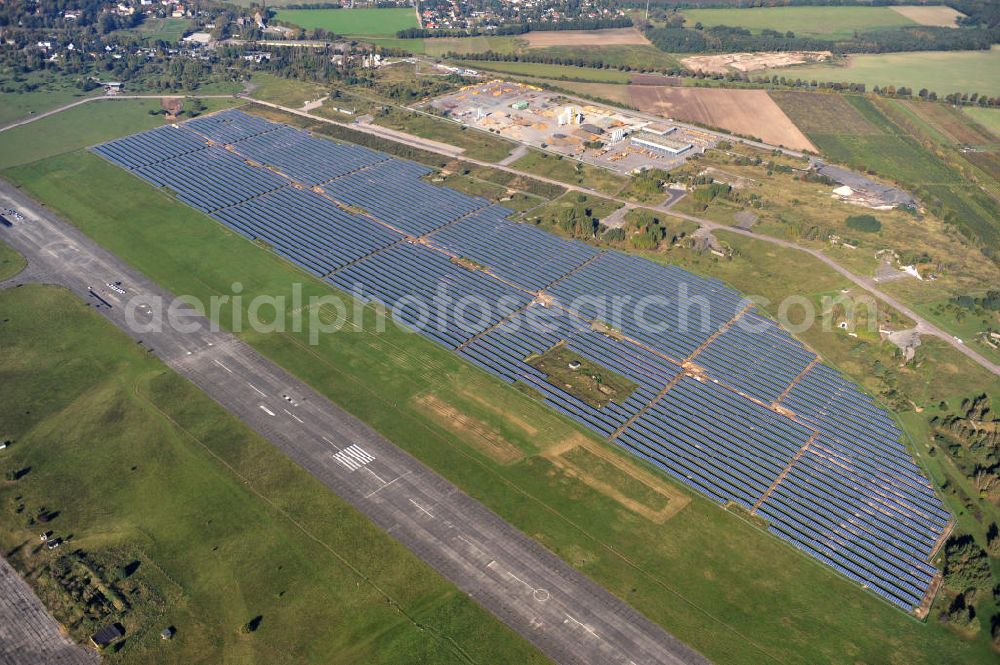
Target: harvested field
{"type": "Point", "coordinates": [823, 113]}
{"type": "Point", "coordinates": [751, 62]}
{"type": "Point", "coordinates": [988, 162]}
{"type": "Point", "coordinates": [481, 436]}
{"type": "Point", "coordinates": [746, 112]}
{"type": "Point", "coordinates": [654, 79]}
{"type": "Point", "coordinates": [610, 37]}
{"type": "Point", "coordinates": [939, 15]}
{"type": "Point", "coordinates": [951, 122]}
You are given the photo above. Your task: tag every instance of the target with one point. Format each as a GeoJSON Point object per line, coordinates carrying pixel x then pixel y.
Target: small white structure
{"type": "Point", "coordinates": [570, 116]}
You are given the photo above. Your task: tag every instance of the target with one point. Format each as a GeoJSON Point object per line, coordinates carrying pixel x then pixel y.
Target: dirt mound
{"type": "Point", "coordinates": [751, 62]}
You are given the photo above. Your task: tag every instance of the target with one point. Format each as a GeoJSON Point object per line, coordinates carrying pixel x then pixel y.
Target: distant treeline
{"type": "Point", "coordinates": [520, 28]}
{"type": "Point", "coordinates": [957, 98]}
{"type": "Point", "coordinates": [724, 38]}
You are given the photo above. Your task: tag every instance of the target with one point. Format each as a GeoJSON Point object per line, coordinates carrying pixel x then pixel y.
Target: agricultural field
{"type": "Point", "coordinates": [705, 574]}
{"type": "Point", "coordinates": [193, 520]}
{"type": "Point", "coordinates": [352, 22]}
{"type": "Point", "coordinates": [745, 112]}
{"type": "Point", "coordinates": [85, 125]}
{"type": "Point", "coordinates": [823, 22]}
{"type": "Point", "coordinates": [942, 72]}
{"type": "Point", "coordinates": [988, 118]}
{"type": "Point", "coordinates": [933, 15]}
{"type": "Point", "coordinates": [586, 38]}
{"type": "Point", "coordinates": [439, 46]}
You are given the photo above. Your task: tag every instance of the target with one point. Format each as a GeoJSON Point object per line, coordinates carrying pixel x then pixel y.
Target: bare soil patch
{"type": "Point", "coordinates": [751, 62]}
{"type": "Point", "coordinates": [609, 37]}
{"type": "Point", "coordinates": [745, 112]}
{"type": "Point", "coordinates": [940, 16]}
{"type": "Point", "coordinates": [634, 488]}
{"type": "Point", "coordinates": [481, 436]}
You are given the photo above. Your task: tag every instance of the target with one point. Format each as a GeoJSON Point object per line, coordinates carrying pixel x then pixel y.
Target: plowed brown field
{"type": "Point", "coordinates": [746, 112]}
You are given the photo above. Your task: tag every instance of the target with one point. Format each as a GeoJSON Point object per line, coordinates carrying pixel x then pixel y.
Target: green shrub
{"type": "Point", "coordinates": [866, 223]}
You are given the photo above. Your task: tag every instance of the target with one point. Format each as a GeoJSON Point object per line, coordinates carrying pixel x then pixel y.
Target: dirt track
{"type": "Point", "coordinates": [745, 112]}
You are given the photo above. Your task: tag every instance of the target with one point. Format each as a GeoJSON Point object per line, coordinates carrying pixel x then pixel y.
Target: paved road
{"type": "Point", "coordinates": [923, 326]}
{"type": "Point", "coordinates": [567, 616]}
{"type": "Point", "coordinates": [28, 633]}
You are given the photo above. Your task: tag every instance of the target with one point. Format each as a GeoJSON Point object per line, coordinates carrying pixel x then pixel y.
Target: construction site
{"type": "Point", "coordinates": [614, 139]}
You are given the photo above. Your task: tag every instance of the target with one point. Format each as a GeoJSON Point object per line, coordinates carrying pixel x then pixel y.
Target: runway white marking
{"type": "Point", "coordinates": [335, 446]}
{"type": "Point", "coordinates": [582, 625]}
{"type": "Point", "coordinates": [373, 492]}
{"type": "Point", "coordinates": [422, 509]}
{"type": "Point", "coordinates": [266, 410]}
{"type": "Point", "coordinates": [293, 415]}
{"type": "Point", "coordinates": [222, 366]}
{"type": "Point", "coordinates": [257, 389]}
{"type": "Point", "coordinates": [377, 477]}
{"type": "Point", "coordinates": [353, 457]}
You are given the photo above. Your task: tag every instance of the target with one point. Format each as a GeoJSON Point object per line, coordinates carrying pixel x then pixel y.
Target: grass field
{"type": "Point", "coordinates": [942, 72]}
{"type": "Point", "coordinates": [439, 46]}
{"type": "Point", "coordinates": [823, 22]}
{"type": "Point", "coordinates": [285, 91]}
{"type": "Point", "coordinates": [169, 30]}
{"type": "Point", "coordinates": [11, 262]}
{"type": "Point", "coordinates": [571, 171]}
{"type": "Point", "coordinates": [353, 22]}
{"type": "Point", "coordinates": [140, 466]}
{"type": "Point", "coordinates": [988, 118]}
{"type": "Point", "coordinates": [636, 56]}
{"type": "Point", "coordinates": [477, 144]}
{"type": "Point", "coordinates": [566, 72]}
{"type": "Point", "coordinates": [83, 126]}
{"type": "Point", "coordinates": [712, 579]}
{"type": "Point", "coordinates": [50, 92]}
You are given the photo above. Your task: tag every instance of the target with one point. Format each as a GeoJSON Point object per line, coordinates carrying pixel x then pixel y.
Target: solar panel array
{"type": "Point", "coordinates": [725, 400]}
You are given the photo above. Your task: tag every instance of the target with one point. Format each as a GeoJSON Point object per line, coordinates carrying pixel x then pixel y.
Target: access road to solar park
{"type": "Point", "coordinates": [923, 326]}
{"type": "Point", "coordinates": [563, 613]}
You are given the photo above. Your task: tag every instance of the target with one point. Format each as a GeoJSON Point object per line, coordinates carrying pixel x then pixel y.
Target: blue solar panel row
{"type": "Point", "coordinates": [149, 147]}
{"type": "Point", "coordinates": [527, 256]}
{"type": "Point", "coordinates": [229, 126]}
{"type": "Point", "coordinates": [835, 480]}
{"type": "Point", "coordinates": [503, 351]}
{"type": "Point", "coordinates": [211, 179]}
{"type": "Point", "coordinates": [684, 310]}
{"type": "Point", "coordinates": [305, 159]}
{"type": "Point", "coordinates": [757, 357]}
{"type": "Point", "coordinates": [404, 275]}
{"type": "Point", "coordinates": [392, 192]}
{"type": "Point", "coordinates": [319, 235]}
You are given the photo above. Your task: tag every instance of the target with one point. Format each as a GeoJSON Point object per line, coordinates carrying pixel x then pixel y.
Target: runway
{"type": "Point", "coordinates": [562, 612]}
